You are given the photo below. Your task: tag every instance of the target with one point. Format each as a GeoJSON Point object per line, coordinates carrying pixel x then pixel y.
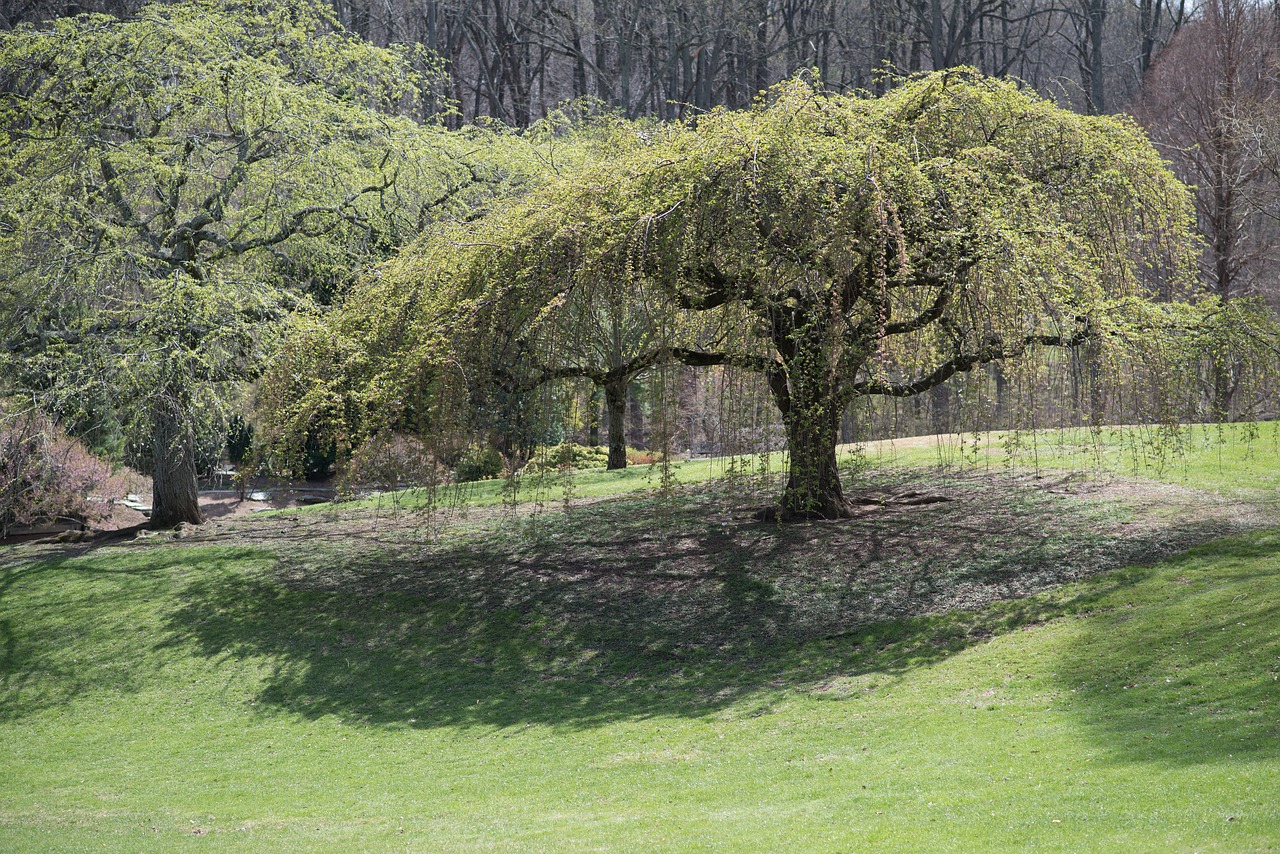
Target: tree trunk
{"type": "Point", "coordinates": [174, 497]}
{"type": "Point", "coordinates": [615, 402]}
{"type": "Point", "coordinates": [936, 53]}
{"type": "Point", "coordinates": [813, 480]}
{"type": "Point", "coordinates": [1223, 389]}
{"type": "Point", "coordinates": [1095, 20]}
{"type": "Point", "coordinates": [808, 395]}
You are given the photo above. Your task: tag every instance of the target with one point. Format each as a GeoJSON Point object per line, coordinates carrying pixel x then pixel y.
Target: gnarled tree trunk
{"type": "Point", "coordinates": [174, 497]}
{"type": "Point", "coordinates": [813, 480]}
{"type": "Point", "coordinates": [810, 401]}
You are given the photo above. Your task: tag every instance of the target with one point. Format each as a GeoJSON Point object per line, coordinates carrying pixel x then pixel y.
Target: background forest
{"type": "Point", "coordinates": [515, 59]}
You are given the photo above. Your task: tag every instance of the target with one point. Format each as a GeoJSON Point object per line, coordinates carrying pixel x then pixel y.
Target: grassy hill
{"type": "Point", "coordinates": [1040, 661]}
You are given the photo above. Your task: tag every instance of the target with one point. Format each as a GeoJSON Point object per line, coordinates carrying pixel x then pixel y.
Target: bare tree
{"type": "Point", "coordinates": [1196, 104]}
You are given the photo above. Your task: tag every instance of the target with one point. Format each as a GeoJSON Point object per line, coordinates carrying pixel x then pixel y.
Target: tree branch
{"type": "Point", "coordinates": [296, 224]}
{"type": "Point", "coordinates": [992, 348]}
{"type": "Point", "coordinates": [929, 315]}
{"type": "Point", "coordinates": [719, 288]}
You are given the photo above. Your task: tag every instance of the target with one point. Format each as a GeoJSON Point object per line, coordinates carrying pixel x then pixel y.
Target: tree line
{"type": "Point", "coordinates": [514, 60]}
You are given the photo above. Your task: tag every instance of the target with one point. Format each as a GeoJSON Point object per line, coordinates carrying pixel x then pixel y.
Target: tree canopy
{"type": "Point", "coordinates": [172, 183]}
{"type": "Point", "coordinates": [841, 245]}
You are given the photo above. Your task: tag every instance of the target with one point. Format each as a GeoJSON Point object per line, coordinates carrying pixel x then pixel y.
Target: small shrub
{"type": "Point", "coordinates": [46, 474]}
{"type": "Point", "coordinates": [637, 457]}
{"type": "Point", "coordinates": [568, 455]}
{"type": "Point", "coordinates": [479, 463]}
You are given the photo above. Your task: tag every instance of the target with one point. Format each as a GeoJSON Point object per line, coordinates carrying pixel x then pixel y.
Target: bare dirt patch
{"type": "Point", "coordinates": [977, 539]}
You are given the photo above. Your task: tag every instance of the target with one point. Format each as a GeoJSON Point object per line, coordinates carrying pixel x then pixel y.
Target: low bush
{"type": "Point", "coordinates": [479, 463]}
{"type": "Point", "coordinates": [568, 455]}
{"type": "Point", "coordinates": [45, 475]}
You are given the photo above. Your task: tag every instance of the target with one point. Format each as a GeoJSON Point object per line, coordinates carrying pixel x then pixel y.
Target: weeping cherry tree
{"type": "Point", "coordinates": [841, 245]}
{"type": "Point", "coordinates": [882, 246]}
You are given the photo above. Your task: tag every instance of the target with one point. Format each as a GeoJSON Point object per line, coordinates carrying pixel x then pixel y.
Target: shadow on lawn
{"type": "Point", "coordinates": [1181, 664]}
{"type": "Point", "coordinates": [74, 621]}
{"type": "Point", "coordinates": [603, 615]}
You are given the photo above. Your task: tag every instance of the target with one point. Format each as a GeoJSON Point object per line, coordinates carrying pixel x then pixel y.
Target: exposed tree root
{"type": "Point", "coordinates": [851, 508]}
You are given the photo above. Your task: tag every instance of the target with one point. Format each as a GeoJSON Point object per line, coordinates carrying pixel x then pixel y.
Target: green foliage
{"type": "Point", "coordinates": [479, 463]}
{"type": "Point", "coordinates": [174, 184]}
{"type": "Point", "coordinates": [258, 140]}
{"type": "Point", "coordinates": [953, 221]}
{"type": "Point", "coordinates": [842, 245]}
{"type": "Point", "coordinates": [568, 455]}
{"type": "Point", "coordinates": [311, 391]}
{"type": "Point", "coordinates": [390, 357]}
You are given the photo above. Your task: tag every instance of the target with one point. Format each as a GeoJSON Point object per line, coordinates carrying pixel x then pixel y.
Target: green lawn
{"type": "Point", "coordinates": [662, 673]}
{"type": "Point", "coordinates": [553, 487]}
{"type": "Point", "coordinates": [1239, 460]}
{"type": "Point", "coordinates": [1236, 460]}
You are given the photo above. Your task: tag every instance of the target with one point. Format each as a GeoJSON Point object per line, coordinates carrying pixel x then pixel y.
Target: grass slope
{"type": "Point", "coordinates": [1236, 460]}
{"type": "Point", "coordinates": [598, 680]}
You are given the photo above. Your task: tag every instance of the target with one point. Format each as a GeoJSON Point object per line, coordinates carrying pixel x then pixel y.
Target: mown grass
{"type": "Point", "coordinates": [556, 486]}
{"type": "Point", "coordinates": [1234, 460]}
{"type": "Point", "coordinates": [650, 673]}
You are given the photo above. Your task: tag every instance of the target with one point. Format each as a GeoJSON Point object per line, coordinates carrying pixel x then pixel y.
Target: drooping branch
{"type": "Point", "coordinates": [946, 289]}
{"type": "Point", "coordinates": [632, 368]}
{"type": "Point", "coordinates": [993, 348]}
{"type": "Point", "coordinates": [543, 374]}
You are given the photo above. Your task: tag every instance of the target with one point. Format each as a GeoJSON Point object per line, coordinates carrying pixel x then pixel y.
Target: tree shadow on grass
{"type": "Point", "coordinates": [603, 615]}
{"type": "Point", "coordinates": [1181, 665]}
{"type": "Point", "coordinates": [74, 621]}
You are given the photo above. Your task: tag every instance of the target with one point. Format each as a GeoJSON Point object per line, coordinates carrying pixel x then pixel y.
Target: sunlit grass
{"type": "Point", "coordinates": [555, 486]}
{"type": "Point", "coordinates": [1238, 460]}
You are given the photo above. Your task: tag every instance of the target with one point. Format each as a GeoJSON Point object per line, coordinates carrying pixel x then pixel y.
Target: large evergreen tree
{"type": "Point", "coordinates": [171, 182]}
